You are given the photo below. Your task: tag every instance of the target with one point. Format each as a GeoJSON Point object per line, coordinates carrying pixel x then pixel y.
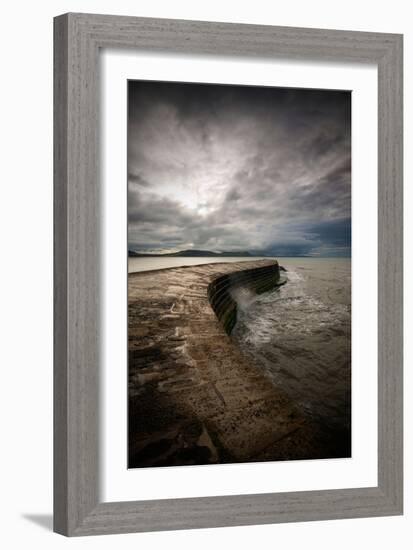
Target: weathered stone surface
{"type": "Point", "coordinates": [194, 398]}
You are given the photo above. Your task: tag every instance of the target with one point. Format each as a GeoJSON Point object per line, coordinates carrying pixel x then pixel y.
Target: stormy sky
{"type": "Point", "coordinates": [239, 168]}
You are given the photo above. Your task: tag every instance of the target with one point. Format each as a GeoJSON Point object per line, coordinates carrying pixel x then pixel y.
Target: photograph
{"type": "Point", "coordinates": [239, 274]}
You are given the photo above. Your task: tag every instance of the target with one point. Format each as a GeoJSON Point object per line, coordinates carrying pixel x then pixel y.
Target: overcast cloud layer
{"type": "Point", "coordinates": [231, 168]}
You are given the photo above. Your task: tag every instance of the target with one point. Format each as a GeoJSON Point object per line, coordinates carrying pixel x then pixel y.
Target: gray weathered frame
{"type": "Point", "coordinates": [78, 39]}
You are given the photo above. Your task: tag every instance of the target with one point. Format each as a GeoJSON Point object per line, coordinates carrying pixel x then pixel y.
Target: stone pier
{"type": "Point", "coordinates": [194, 398]}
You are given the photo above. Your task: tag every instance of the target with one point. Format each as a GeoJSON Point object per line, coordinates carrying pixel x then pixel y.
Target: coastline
{"type": "Point", "coordinates": [194, 397]}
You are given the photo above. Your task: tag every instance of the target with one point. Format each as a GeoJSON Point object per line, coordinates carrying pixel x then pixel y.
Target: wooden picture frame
{"type": "Point", "coordinates": [78, 39]}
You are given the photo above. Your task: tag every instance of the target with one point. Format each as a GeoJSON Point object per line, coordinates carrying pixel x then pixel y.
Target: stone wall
{"type": "Point", "coordinates": [223, 290]}
{"type": "Point", "coordinates": [193, 397]}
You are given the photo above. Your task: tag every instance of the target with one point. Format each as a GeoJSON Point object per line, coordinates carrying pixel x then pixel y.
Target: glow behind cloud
{"type": "Point", "coordinates": [227, 168]}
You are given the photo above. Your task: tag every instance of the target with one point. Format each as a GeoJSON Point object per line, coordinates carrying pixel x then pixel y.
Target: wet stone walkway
{"type": "Point", "coordinates": [193, 396]}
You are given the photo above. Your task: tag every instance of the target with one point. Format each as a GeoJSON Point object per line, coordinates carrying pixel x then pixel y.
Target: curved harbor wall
{"type": "Point", "coordinates": [222, 290]}
{"type": "Point", "coordinates": [193, 397]}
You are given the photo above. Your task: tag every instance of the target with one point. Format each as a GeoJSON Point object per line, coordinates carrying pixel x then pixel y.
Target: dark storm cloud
{"type": "Point", "coordinates": [327, 238]}
{"type": "Point", "coordinates": [137, 179]}
{"type": "Point", "coordinates": [335, 232]}
{"type": "Point", "coordinates": [239, 168]}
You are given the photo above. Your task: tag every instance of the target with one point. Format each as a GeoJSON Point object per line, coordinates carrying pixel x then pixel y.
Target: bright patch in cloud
{"type": "Point", "coordinates": [239, 168]}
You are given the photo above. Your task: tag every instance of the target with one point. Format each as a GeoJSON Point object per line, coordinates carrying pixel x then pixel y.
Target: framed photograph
{"type": "Point", "coordinates": [228, 274]}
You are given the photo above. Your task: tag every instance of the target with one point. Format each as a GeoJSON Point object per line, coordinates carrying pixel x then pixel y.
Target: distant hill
{"type": "Point", "coordinates": [189, 254]}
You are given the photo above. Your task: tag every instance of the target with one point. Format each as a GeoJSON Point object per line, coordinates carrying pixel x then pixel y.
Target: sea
{"type": "Point", "coordinates": [299, 335]}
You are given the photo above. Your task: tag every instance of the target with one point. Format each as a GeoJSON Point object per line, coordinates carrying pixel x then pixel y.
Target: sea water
{"type": "Point", "coordinates": [300, 336]}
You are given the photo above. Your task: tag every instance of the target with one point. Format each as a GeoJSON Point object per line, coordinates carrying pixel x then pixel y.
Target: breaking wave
{"type": "Point", "coordinates": [301, 336]}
